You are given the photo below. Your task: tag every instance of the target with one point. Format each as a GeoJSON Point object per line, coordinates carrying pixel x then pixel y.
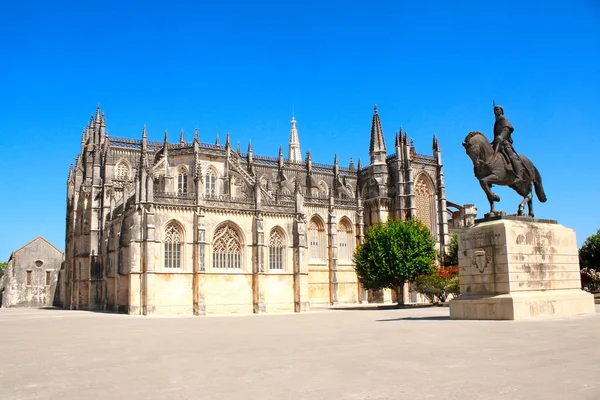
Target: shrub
{"type": "Point", "coordinates": [439, 285]}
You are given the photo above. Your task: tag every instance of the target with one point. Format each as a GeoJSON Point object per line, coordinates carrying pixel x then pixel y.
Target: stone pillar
{"type": "Point", "coordinates": [516, 268]}
{"type": "Point", "coordinates": [199, 266]}
{"type": "Point", "coordinates": [300, 261]}
{"type": "Point", "coordinates": [147, 273]}
{"type": "Point", "coordinates": [333, 253]}
{"type": "Point", "coordinates": [258, 263]}
{"type": "Point", "coordinates": [360, 238]}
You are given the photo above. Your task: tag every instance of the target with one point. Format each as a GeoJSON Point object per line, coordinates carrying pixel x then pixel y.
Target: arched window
{"type": "Point", "coordinates": [345, 241]}
{"type": "Point", "coordinates": [173, 244]}
{"type": "Point", "coordinates": [276, 249]}
{"type": "Point", "coordinates": [210, 183]}
{"type": "Point", "coordinates": [323, 189]}
{"type": "Point", "coordinates": [424, 201]}
{"type": "Point", "coordinates": [316, 240]}
{"type": "Point", "coordinates": [264, 182]}
{"type": "Point", "coordinates": [227, 249]}
{"type": "Point", "coordinates": [182, 178]}
{"type": "Point", "coordinates": [122, 170]}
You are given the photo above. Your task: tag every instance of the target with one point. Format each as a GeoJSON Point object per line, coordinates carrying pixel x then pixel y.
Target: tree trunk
{"type": "Point", "coordinates": [399, 290]}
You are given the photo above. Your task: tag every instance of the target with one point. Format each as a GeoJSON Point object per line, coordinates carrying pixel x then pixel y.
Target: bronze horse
{"type": "Point", "coordinates": [492, 169]}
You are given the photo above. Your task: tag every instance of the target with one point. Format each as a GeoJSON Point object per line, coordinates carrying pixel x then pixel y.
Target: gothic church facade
{"type": "Point", "coordinates": [196, 228]}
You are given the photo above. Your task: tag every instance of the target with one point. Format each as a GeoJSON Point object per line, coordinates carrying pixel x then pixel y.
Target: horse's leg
{"type": "Point", "coordinates": [491, 196]}
{"type": "Point", "coordinates": [530, 204]}
{"type": "Point", "coordinates": [522, 205]}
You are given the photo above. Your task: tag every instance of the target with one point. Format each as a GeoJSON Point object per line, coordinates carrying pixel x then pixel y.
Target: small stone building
{"type": "Point", "coordinates": [31, 276]}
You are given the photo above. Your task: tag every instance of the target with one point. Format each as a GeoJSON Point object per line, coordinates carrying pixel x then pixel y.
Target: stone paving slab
{"type": "Point", "coordinates": [324, 354]}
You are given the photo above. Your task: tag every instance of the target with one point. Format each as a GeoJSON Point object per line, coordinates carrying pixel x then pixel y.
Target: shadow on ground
{"type": "Point", "coordinates": [371, 307]}
{"type": "Point", "coordinates": [434, 318]}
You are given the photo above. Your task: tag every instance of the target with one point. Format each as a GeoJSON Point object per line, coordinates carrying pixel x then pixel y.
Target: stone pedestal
{"type": "Point", "coordinates": [518, 268]}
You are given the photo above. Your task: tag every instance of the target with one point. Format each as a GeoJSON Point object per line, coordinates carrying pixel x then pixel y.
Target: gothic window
{"type": "Point", "coordinates": [323, 189]}
{"type": "Point", "coordinates": [316, 240]}
{"type": "Point", "coordinates": [345, 241]}
{"type": "Point", "coordinates": [210, 183]}
{"type": "Point", "coordinates": [264, 182]}
{"type": "Point", "coordinates": [227, 249]}
{"type": "Point", "coordinates": [424, 201]}
{"type": "Point", "coordinates": [122, 170]}
{"type": "Point", "coordinates": [182, 179]}
{"type": "Point", "coordinates": [173, 245]}
{"type": "Point", "coordinates": [276, 249]}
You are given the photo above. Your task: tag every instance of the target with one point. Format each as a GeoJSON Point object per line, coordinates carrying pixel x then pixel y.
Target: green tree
{"type": "Point", "coordinates": [393, 253]}
{"type": "Point", "coordinates": [589, 254]}
{"type": "Point", "coordinates": [3, 265]}
{"type": "Point", "coordinates": [452, 255]}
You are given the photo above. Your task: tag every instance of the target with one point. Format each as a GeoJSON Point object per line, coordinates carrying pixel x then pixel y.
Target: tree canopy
{"type": "Point", "coordinates": [451, 258]}
{"type": "Point", "coordinates": [393, 253]}
{"type": "Point", "coordinates": [589, 254]}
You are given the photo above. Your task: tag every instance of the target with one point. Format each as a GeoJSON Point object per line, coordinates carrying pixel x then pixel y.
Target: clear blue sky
{"type": "Point", "coordinates": [431, 67]}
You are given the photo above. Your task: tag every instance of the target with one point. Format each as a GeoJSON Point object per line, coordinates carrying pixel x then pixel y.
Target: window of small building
{"type": "Point", "coordinates": [29, 278]}
{"type": "Point", "coordinates": [48, 278]}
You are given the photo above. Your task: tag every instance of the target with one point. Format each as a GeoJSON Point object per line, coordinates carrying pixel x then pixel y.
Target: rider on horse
{"type": "Point", "coordinates": [503, 141]}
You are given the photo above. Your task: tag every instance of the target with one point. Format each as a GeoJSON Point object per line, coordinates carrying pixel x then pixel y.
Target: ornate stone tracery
{"type": "Point", "coordinates": [227, 248]}
{"type": "Point", "coordinates": [173, 241]}
{"type": "Point", "coordinates": [424, 199]}
{"type": "Point", "coordinates": [276, 249]}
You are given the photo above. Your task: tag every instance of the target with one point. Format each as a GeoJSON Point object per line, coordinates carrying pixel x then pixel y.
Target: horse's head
{"type": "Point", "coordinates": [472, 144]}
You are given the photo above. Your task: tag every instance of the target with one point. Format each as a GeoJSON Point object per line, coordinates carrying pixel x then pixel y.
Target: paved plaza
{"type": "Point", "coordinates": [324, 354]}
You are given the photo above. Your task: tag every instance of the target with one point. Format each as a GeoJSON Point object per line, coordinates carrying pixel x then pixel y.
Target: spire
{"type": "Point", "coordinates": [436, 144]}
{"type": "Point", "coordinates": [377, 150]}
{"type": "Point", "coordinates": [217, 143]}
{"type": "Point", "coordinates": [182, 138]}
{"type": "Point", "coordinates": [196, 137]}
{"type": "Point", "coordinates": [359, 164]}
{"type": "Point", "coordinates": [227, 141]}
{"type": "Point", "coordinates": [98, 114]}
{"type": "Point", "coordinates": [250, 158]}
{"type": "Point", "coordinates": [351, 165]}
{"type": "Point", "coordinates": [294, 153]}
{"type": "Point", "coordinates": [308, 156]}
{"type": "Point", "coordinates": [336, 167]}
{"type": "Point", "coordinates": [83, 137]}
{"type": "Point", "coordinates": [238, 148]}
{"type": "Point", "coordinates": [166, 142]}
{"type": "Point", "coordinates": [144, 139]}
{"type": "Point", "coordinates": [308, 161]}
{"type": "Point", "coordinates": [280, 163]}
{"type": "Point", "coordinates": [70, 178]}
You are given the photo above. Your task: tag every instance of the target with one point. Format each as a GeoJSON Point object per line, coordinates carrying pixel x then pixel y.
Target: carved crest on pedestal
{"type": "Point", "coordinates": [481, 260]}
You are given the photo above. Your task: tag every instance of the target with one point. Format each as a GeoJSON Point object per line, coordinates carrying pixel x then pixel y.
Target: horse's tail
{"type": "Point", "coordinates": [539, 188]}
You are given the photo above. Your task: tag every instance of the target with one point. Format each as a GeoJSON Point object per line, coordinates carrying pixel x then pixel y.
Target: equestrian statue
{"type": "Point", "coordinates": [499, 164]}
